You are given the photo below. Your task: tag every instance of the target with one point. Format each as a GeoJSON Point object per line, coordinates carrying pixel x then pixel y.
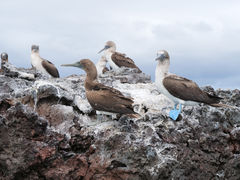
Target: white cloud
{"type": "Point", "coordinates": [199, 36]}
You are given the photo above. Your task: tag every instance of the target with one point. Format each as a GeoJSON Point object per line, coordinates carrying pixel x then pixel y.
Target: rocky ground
{"type": "Point", "coordinates": [49, 131]}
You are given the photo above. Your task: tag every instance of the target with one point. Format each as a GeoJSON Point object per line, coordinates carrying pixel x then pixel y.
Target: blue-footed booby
{"type": "Point", "coordinates": [115, 59]}
{"type": "Point", "coordinates": [101, 97]}
{"type": "Point", "coordinates": [41, 64]}
{"type": "Point", "coordinates": [101, 66]}
{"type": "Point", "coordinates": [4, 58]}
{"type": "Point", "coordinates": [180, 90]}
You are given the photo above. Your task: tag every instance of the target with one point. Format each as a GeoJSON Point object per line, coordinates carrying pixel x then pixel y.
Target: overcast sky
{"type": "Point", "coordinates": [202, 37]}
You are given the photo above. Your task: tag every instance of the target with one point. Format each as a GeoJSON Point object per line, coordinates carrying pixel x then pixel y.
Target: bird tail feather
{"type": "Point", "coordinates": [134, 115]}
{"type": "Point", "coordinates": [224, 105]}
{"type": "Point", "coordinates": [214, 99]}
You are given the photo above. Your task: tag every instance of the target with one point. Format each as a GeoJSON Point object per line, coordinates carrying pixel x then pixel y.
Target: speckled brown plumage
{"type": "Point", "coordinates": [188, 90]}
{"type": "Point", "coordinates": [50, 68]}
{"type": "Point", "coordinates": [122, 61]}
{"type": "Point", "coordinates": [101, 97]}
{"type": "Point", "coordinates": [104, 98]}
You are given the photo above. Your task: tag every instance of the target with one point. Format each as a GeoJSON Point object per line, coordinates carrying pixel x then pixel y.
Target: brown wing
{"type": "Point", "coordinates": [50, 68]}
{"type": "Point", "coordinates": [122, 61]}
{"type": "Point", "coordinates": [110, 90]}
{"type": "Point", "coordinates": [104, 98]}
{"type": "Point", "coordinates": [187, 90]}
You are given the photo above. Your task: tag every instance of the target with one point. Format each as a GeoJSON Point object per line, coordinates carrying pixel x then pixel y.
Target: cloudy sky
{"type": "Point", "coordinates": [202, 37]}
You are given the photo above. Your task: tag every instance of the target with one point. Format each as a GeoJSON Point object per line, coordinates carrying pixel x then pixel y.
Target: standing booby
{"type": "Point", "coordinates": [4, 59]}
{"type": "Point", "coordinates": [101, 97]}
{"type": "Point", "coordinates": [180, 90]}
{"type": "Point", "coordinates": [116, 59]}
{"type": "Point", "coordinates": [101, 66]}
{"type": "Point", "coordinates": [41, 64]}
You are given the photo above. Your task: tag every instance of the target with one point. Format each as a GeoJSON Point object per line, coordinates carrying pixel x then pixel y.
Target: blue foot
{"type": "Point", "coordinates": [175, 112]}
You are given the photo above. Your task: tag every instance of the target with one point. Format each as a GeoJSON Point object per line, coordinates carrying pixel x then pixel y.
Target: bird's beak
{"type": "Point", "coordinates": [160, 57]}
{"type": "Point", "coordinates": [73, 65]}
{"type": "Point", "coordinates": [105, 47]}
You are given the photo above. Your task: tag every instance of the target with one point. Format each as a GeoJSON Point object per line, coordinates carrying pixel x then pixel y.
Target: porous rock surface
{"type": "Point", "coordinates": [49, 131]}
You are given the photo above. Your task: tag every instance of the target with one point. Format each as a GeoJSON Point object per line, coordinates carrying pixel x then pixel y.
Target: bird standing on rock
{"type": "Point", "coordinates": [180, 90]}
{"type": "Point", "coordinates": [101, 66]}
{"type": "Point", "coordinates": [117, 60]}
{"type": "Point", "coordinates": [43, 65]}
{"type": "Point", "coordinates": [4, 58]}
{"type": "Point", "coordinates": [101, 97]}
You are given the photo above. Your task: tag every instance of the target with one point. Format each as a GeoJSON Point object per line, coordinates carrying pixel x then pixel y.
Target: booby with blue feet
{"type": "Point", "coordinates": [117, 60]}
{"type": "Point", "coordinates": [42, 65]}
{"type": "Point", "coordinates": [101, 97]}
{"type": "Point", "coordinates": [101, 66]}
{"type": "Point", "coordinates": [4, 59]}
{"type": "Point", "coordinates": [180, 90]}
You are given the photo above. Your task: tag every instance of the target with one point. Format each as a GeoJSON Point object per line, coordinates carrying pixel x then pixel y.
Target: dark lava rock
{"type": "Point", "coordinates": [49, 131]}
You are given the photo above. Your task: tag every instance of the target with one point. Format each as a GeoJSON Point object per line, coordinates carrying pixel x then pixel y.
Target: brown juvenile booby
{"type": "Point", "coordinates": [4, 58]}
{"type": "Point", "coordinates": [115, 59]}
{"type": "Point", "coordinates": [101, 66]}
{"type": "Point", "coordinates": [101, 97]}
{"type": "Point", "coordinates": [41, 64]}
{"type": "Point", "coordinates": [180, 90]}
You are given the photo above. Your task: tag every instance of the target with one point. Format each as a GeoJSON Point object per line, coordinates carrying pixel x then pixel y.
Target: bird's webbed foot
{"type": "Point", "coordinates": [174, 113]}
